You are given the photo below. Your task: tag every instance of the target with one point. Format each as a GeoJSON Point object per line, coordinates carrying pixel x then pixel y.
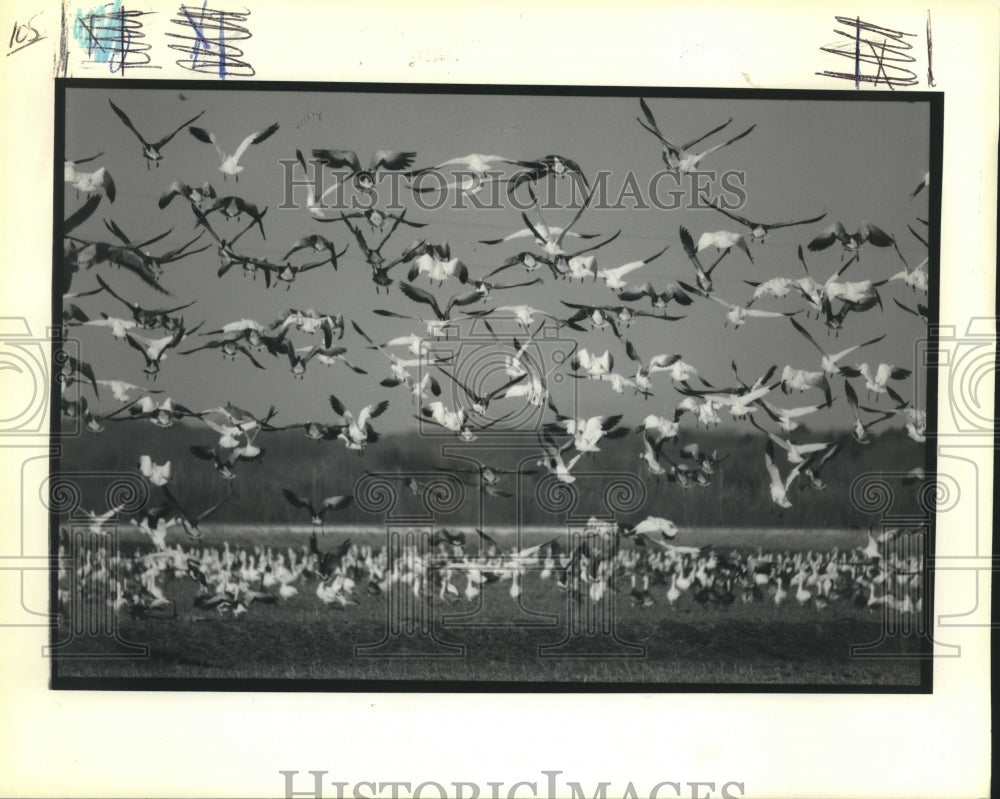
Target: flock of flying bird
{"type": "Point", "coordinates": [300, 338]}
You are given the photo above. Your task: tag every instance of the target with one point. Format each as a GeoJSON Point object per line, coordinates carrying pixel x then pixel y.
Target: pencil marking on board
{"type": "Point", "coordinates": [24, 34]}
{"type": "Point", "coordinates": [870, 45]}
{"type": "Point", "coordinates": [930, 53]}
{"type": "Point", "coordinates": [208, 40]}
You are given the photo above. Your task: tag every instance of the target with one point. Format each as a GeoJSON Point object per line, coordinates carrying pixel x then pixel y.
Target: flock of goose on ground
{"type": "Point", "coordinates": [884, 576]}
{"type": "Point", "coordinates": [653, 568]}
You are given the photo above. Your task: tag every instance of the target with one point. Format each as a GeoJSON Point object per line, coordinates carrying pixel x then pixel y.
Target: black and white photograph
{"type": "Point", "coordinates": [498, 400]}
{"type": "Point", "coordinates": [485, 387]}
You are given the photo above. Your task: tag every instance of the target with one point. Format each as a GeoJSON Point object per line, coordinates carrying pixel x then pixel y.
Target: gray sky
{"type": "Point", "coordinates": [855, 159]}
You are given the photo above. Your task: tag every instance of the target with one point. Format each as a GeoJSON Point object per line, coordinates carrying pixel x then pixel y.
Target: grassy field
{"type": "Point", "coordinates": [506, 640]}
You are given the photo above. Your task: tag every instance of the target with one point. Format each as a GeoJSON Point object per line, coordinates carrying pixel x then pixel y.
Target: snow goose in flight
{"type": "Point", "coordinates": [829, 361]}
{"type": "Point", "coordinates": [553, 462]}
{"type": "Point", "coordinates": [659, 300]}
{"type": "Point", "coordinates": [436, 262]}
{"type": "Point", "coordinates": [317, 510]}
{"type": "Point", "coordinates": [229, 347]}
{"type": "Point", "coordinates": [922, 311]}
{"type": "Point", "coordinates": [723, 241]}
{"type": "Point", "coordinates": [287, 272]}
{"type": "Point", "coordinates": [357, 431]}
{"type": "Point", "coordinates": [230, 165]}
{"type": "Point", "coordinates": [613, 277]}
{"type": "Point", "coordinates": [661, 428]}
{"type": "Point", "coordinates": [375, 259]}
{"type": "Point", "coordinates": [779, 487]}
{"type": "Point", "coordinates": [852, 242]}
{"type": "Point", "coordinates": [706, 461]}
{"type": "Point", "coordinates": [401, 375]}
{"type": "Point", "coordinates": [705, 412]}
{"type": "Point", "coordinates": [797, 453]}
{"type": "Point", "coordinates": [193, 194]}
{"type": "Point", "coordinates": [594, 365]}
{"type": "Point", "coordinates": [190, 521]}
{"type": "Point", "coordinates": [228, 257]}
{"type": "Point", "coordinates": [162, 414]}
{"type": "Point", "coordinates": [814, 463]}
{"type": "Point", "coordinates": [89, 182]}
{"type": "Point", "coordinates": [587, 432]}
{"type": "Point", "coordinates": [741, 403]}
{"type": "Point", "coordinates": [151, 151]}
{"type": "Point", "coordinates": [328, 356]}
{"type": "Point", "coordinates": [119, 327]}
{"type": "Point", "coordinates": [651, 454]}
{"type": "Point", "coordinates": [223, 466]}
{"type": "Point", "coordinates": [703, 276]}
{"type": "Point", "coordinates": [860, 429]}
{"type": "Point", "coordinates": [529, 260]}
{"type": "Point", "coordinates": [233, 207]}
{"type": "Point", "coordinates": [737, 315]}
{"type": "Point", "coordinates": [802, 380]}
{"type": "Point", "coordinates": [679, 158]}
{"type": "Point", "coordinates": [785, 417]}
{"type": "Point", "coordinates": [915, 277]}
{"type": "Point", "coordinates": [364, 179]}
{"type": "Point", "coordinates": [480, 402]}
{"type": "Point", "coordinates": [916, 419]}
{"type": "Point", "coordinates": [474, 166]}
{"type": "Point", "coordinates": [155, 350]}
{"type": "Point", "coordinates": [120, 389]}
{"type": "Point", "coordinates": [151, 264]}
{"type": "Point", "coordinates": [759, 230]}
{"type": "Point", "coordinates": [437, 413]}
{"type": "Point", "coordinates": [557, 165]}
{"type": "Point", "coordinates": [877, 381]}
{"type": "Point", "coordinates": [158, 474]}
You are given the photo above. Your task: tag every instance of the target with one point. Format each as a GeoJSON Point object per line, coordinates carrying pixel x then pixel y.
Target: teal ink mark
{"type": "Point", "coordinates": [112, 35]}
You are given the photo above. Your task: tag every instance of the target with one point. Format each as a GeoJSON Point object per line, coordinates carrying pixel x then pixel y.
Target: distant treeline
{"type": "Point", "coordinates": [738, 495]}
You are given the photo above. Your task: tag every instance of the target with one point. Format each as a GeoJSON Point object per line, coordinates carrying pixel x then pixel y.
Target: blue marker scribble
{"type": "Point", "coordinates": [112, 35]}
{"type": "Point", "coordinates": [207, 40]}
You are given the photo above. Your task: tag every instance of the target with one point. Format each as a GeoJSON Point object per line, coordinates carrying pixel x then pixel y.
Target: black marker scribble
{"type": "Point", "coordinates": [209, 46]}
{"type": "Point", "coordinates": [887, 49]}
{"type": "Point", "coordinates": [24, 35]}
{"type": "Point", "coordinates": [930, 53]}
{"type": "Point", "coordinates": [113, 35]}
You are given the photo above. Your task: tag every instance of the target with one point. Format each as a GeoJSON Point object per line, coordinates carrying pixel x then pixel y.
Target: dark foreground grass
{"type": "Point", "coordinates": [757, 644]}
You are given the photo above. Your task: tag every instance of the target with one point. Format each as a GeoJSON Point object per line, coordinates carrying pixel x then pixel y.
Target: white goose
{"type": "Point", "coordinates": [723, 241]}
{"type": "Point", "coordinates": [613, 277]}
{"type": "Point", "coordinates": [796, 452]}
{"type": "Point", "coordinates": [357, 432]}
{"type": "Point", "coordinates": [594, 365]}
{"type": "Point", "coordinates": [877, 381]}
{"type": "Point", "coordinates": [230, 165]}
{"type": "Point", "coordinates": [158, 474]}
{"type": "Point", "coordinates": [678, 158]}
{"type": "Point", "coordinates": [89, 182]}
{"type": "Point", "coordinates": [554, 463]}
{"type": "Point", "coordinates": [779, 488]}
{"type": "Point", "coordinates": [829, 361]}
